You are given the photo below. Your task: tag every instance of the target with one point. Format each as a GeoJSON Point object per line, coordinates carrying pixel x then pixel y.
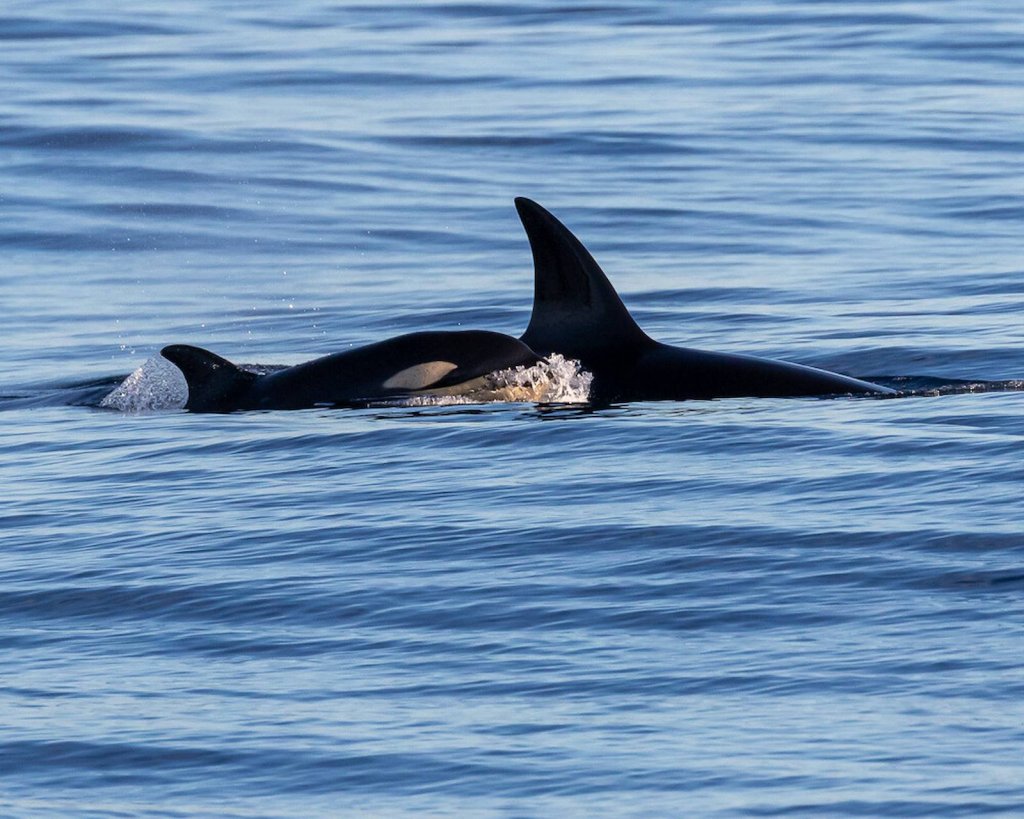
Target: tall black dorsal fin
{"type": "Point", "coordinates": [575, 307]}
{"type": "Point", "coordinates": [214, 383]}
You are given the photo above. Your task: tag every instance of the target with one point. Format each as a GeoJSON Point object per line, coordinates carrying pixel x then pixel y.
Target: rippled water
{"type": "Point", "coordinates": [737, 607]}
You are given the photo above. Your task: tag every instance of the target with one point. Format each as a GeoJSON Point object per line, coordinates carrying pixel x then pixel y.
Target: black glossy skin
{"type": "Point", "coordinates": [578, 314]}
{"type": "Point", "coordinates": [349, 378]}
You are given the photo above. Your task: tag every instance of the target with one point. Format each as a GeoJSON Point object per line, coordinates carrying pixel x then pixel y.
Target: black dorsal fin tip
{"type": "Point", "coordinates": [574, 304]}
{"type": "Point", "coordinates": [214, 383]}
{"type": "Point", "coordinates": [194, 360]}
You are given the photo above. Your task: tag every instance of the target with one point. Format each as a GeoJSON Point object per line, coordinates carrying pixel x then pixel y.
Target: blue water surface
{"type": "Point", "coordinates": [739, 607]}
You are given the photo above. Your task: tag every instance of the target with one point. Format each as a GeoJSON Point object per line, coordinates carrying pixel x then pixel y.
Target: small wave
{"type": "Point", "coordinates": [907, 386]}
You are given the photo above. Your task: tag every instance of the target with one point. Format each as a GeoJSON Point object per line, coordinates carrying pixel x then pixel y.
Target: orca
{"type": "Point", "coordinates": [432, 363]}
{"type": "Point", "coordinates": [578, 314]}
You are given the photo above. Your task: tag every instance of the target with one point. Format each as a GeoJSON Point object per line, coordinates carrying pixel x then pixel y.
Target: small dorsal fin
{"type": "Point", "coordinates": [575, 307]}
{"type": "Point", "coordinates": [214, 383]}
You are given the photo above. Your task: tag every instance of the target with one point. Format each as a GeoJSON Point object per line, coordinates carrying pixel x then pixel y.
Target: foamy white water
{"type": "Point", "coordinates": [556, 380]}
{"type": "Point", "coordinates": [156, 385]}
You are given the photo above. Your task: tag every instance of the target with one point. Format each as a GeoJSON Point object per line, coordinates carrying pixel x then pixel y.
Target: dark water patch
{"type": "Point", "coordinates": [120, 240]}
{"type": "Point", "coordinates": [90, 138]}
{"type": "Point", "coordinates": [123, 174]}
{"type": "Point", "coordinates": [675, 298]}
{"type": "Point", "coordinates": [954, 142]}
{"type": "Point", "coordinates": [546, 684]}
{"type": "Point", "coordinates": [227, 602]}
{"type": "Point", "coordinates": [994, 581]}
{"type": "Point", "coordinates": [79, 102]}
{"type": "Point", "coordinates": [973, 543]}
{"type": "Point", "coordinates": [925, 386]}
{"type": "Point", "coordinates": [339, 767]}
{"type": "Point", "coordinates": [163, 210]}
{"type": "Point", "coordinates": [1013, 212]}
{"type": "Point", "coordinates": [505, 14]}
{"type": "Point", "coordinates": [347, 80]}
{"type": "Point", "coordinates": [41, 693]}
{"type": "Point", "coordinates": [81, 760]}
{"type": "Point", "coordinates": [932, 366]}
{"type": "Point", "coordinates": [449, 239]}
{"type": "Point", "coordinates": [575, 143]}
{"type": "Point", "coordinates": [995, 48]}
{"type": "Point", "coordinates": [962, 802]}
{"type": "Point", "coordinates": [31, 29]}
{"type": "Point", "coordinates": [102, 139]}
{"type": "Point", "coordinates": [830, 20]}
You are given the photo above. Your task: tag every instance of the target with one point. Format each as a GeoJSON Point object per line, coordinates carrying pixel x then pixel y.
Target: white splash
{"type": "Point", "coordinates": [156, 385]}
{"type": "Point", "coordinates": [557, 380]}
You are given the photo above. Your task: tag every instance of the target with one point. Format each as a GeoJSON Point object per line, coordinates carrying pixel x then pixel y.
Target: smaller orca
{"type": "Point", "coordinates": [433, 363]}
{"type": "Point", "coordinates": [578, 314]}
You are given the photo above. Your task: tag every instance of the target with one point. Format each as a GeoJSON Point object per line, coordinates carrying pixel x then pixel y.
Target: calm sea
{"type": "Point", "coordinates": [728, 608]}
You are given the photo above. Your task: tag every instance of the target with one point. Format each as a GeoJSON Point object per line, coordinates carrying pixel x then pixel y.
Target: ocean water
{"type": "Point", "coordinates": [743, 607]}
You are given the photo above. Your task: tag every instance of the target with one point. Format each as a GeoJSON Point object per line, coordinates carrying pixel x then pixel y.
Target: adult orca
{"type": "Point", "coordinates": [578, 314]}
{"type": "Point", "coordinates": [434, 363]}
